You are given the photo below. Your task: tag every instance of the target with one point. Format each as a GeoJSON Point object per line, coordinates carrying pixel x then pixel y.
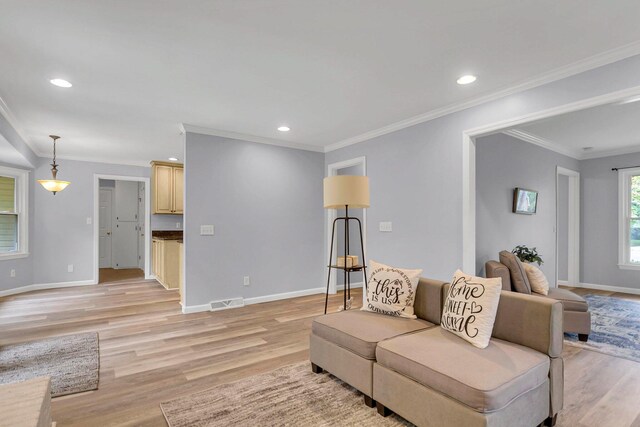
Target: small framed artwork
{"type": "Point", "coordinates": [525, 201]}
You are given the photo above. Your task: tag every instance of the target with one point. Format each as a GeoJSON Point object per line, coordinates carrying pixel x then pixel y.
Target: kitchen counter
{"type": "Point", "coordinates": [167, 234]}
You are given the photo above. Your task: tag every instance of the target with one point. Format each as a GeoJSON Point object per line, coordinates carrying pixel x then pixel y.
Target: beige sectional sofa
{"type": "Point", "coordinates": [577, 318]}
{"type": "Point", "coordinates": [434, 378]}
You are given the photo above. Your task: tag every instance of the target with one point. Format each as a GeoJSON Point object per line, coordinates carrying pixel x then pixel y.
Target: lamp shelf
{"type": "Point", "coordinates": [357, 267]}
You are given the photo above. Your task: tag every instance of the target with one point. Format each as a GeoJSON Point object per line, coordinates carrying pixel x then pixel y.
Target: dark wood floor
{"type": "Point", "coordinates": [112, 275]}
{"type": "Point", "coordinates": [151, 352]}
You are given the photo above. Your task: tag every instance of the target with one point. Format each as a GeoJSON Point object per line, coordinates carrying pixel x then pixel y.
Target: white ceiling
{"type": "Point", "coordinates": [333, 70]}
{"type": "Point", "coordinates": [607, 129]}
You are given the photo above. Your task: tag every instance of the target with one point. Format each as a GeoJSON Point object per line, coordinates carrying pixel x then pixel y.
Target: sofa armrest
{"type": "Point", "coordinates": [531, 321]}
{"type": "Point", "coordinates": [428, 302]}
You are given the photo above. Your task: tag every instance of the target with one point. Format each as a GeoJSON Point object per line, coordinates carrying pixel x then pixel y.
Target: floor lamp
{"type": "Point", "coordinates": [345, 191]}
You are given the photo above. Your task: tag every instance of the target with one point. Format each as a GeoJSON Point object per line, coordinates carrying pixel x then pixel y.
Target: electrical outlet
{"type": "Point", "coordinates": [70, 268]}
{"type": "Point", "coordinates": [206, 230]}
{"type": "Point", "coordinates": [385, 226]}
{"type": "Point", "coordinates": [89, 220]}
{"type": "Point", "coordinates": [13, 272]}
{"type": "Point", "coordinates": [178, 225]}
{"type": "Point", "coordinates": [247, 281]}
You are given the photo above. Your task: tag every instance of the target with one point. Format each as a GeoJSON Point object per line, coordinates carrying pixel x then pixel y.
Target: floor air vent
{"type": "Point", "coordinates": [227, 303]}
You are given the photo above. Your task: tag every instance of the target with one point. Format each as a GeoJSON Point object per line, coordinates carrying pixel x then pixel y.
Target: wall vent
{"type": "Point", "coordinates": [227, 303]}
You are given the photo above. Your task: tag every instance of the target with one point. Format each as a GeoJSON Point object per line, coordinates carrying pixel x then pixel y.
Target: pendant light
{"type": "Point", "coordinates": [54, 185]}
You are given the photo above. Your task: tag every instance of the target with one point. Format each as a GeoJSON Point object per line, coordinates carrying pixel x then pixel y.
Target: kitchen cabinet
{"type": "Point", "coordinates": [167, 192]}
{"type": "Point", "coordinates": [166, 262]}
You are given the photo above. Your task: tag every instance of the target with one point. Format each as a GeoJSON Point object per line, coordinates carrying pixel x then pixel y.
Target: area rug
{"type": "Point", "coordinates": [289, 396]}
{"type": "Point", "coordinates": [615, 327]}
{"type": "Point", "coordinates": [72, 362]}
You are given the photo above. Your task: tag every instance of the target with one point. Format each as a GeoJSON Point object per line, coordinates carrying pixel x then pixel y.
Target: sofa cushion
{"type": "Point", "coordinates": [570, 301]}
{"type": "Point", "coordinates": [361, 331]}
{"type": "Point", "coordinates": [519, 279]}
{"type": "Point", "coordinates": [486, 380]}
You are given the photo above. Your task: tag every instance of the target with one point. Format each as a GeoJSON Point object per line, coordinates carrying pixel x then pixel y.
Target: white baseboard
{"type": "Point", "coordinates": [40, 286]}
{"type": "Point", "coordinates": [186, 309]}
{"type": "Point", "coordinates": [285, 295]}
{"type": "Point", "coordinates": [621, 289]}
{"type": "Point", "coordinates": [353, 286]}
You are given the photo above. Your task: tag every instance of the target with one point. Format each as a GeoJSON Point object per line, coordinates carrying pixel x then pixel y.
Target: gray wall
{"type": "Point", "coordinates": [416, 178]}
{"type": "Point", "coordinates": [563, 227]}
{"type": "Point", "coordinates": [61, 233]}
{"type": "Point", "coordinates": [266, 205]}
{"type": "Point", "coordinates": [503, 163]}
{"type": "Point", "coordinates": [599, 223]}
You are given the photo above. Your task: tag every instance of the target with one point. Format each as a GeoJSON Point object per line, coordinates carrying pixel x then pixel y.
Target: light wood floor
{"type": "Point", "coordinates": [112, 275]}
{"type": "Point", "coordinates": [150, 352]}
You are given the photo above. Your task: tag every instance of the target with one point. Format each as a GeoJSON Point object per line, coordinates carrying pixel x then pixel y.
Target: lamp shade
{"type": "Point", "coordinates": [53, 185]}
{"type": "Point", "coordinates": [346, 190]}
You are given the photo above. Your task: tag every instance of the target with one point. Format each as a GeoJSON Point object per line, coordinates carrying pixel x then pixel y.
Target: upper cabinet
{"type": "Point", "coordinates": [167, 193]}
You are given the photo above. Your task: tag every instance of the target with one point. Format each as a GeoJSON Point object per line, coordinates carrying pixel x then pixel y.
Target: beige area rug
{"type": "Point", "coordinates": [289, 396]}
{"type": "Point", "coordinates": [72, 362]}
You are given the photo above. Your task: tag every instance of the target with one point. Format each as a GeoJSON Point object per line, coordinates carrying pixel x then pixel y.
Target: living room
{"type": "Point", "coordinates": [259, 102]}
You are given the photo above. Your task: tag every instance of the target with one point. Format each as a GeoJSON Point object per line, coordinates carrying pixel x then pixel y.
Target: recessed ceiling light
{"type": "Point", "coordinates": [60, 83]}
{"type": "Point", "coordinates": [284, 129]}
{"type": "Point", "coordinates": [173, 159]}
{"type": "Point", "coordinates": [465, 80]}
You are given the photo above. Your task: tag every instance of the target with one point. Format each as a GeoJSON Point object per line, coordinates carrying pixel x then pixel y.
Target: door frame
{"type": "Point", "coordinates": [332, 170]}
{"type": "Point", "coordinates": [573, 197]}
{"type": "Point", "coordinates": [469, 159]}
{"type": "Point", "coordinates": [96, 224]}
{"type": "Point", "coordinates": [98, 220]}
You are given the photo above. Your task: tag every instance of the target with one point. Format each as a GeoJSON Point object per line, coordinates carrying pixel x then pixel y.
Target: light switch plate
{"type": "Point", "coordinates": [386, 226]}
{"type": "Point", "coordinates": [206, 230]}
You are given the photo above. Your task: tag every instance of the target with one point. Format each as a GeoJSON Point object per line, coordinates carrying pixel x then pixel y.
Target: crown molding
{"type": "Point", "coordinates": [608, 153]}
{"type": "Point", "coordinates": [142, 163]}
{"type": "Point", "coordinates": [247, 137]}
{"type": "Point", "coordinates": [585, 155]}
{"type": "Point", "coordinates": [574, 68]}
{"type": "Point", "coordinates": [541, 142]}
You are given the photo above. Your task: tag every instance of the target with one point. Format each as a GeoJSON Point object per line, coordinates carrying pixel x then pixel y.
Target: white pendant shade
{"type": "Point", "coordinates": [53, 185]}
{"type": "Point", "coordinates": [346, 190]}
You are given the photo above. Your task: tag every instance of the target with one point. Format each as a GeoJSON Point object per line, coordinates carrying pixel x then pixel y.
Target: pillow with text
{"type": "Point", "coordinates": [391, 290]}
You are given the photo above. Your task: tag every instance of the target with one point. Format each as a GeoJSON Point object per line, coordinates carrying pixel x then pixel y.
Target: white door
{"type": "Point", "coordinates": [141, 227]}
{"type": "Point", "coordinates": [104, 218]}
{"type": "Point", "coordinates": [126, 203]}
{"type": "Point", "coordinates": [125, 229]}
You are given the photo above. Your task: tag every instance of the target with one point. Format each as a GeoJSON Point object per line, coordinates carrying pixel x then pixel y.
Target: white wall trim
{"type": "Point", "coordinates": [41, 286]}
{"type": "Point", "coordinates": [468, 153]}
{"type": "Point", "coordinates": [252, 138]}
{"type": "Point", "coordinates": [357, 285]}
{"type": "Point", "coordinates": [284, 295]}
{"type": "Point", "coordinates": [620, 289]}
{"type": "Point", "coordinates": [541, 142]}
{"type": "Point", "coordinates": [624, 206]}
{"type": "Point", "coordinates": [545, 78]}
{"type": "Point", "coordinates": [22, 181]}
{"type": "Point", "coordinates": [187, 309]}
{"type": "Point", "coordinates": [96, 223]}
{"type": "Point", "coordinates": [582, 155]}
{"type": "Point", "coordinates": [332, 170]}
{"type": "Point", "coordinates": [573, 222]}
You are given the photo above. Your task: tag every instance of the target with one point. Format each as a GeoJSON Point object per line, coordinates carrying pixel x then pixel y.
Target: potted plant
{"type": "Point", "coordinates": [526, 254]}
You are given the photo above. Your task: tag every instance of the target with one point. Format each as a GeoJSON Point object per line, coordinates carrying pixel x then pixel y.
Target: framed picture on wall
{"type": "Point", "coordinates": [525, 201]}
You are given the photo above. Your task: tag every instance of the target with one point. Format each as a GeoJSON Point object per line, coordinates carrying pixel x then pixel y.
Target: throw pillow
{"type": "Point", "coordinates": [391, 290]}
{"type": "Point", "coordinates": [519, 279]}
{"type": "Point", "coordinates": [537, 279]}
{"type": "Point", "coordinates": [470, 307]}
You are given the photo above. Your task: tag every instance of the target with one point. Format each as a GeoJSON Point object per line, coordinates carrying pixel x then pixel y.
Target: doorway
{"type": "Point", "coordinates": [121, 231]}
{"type": "Point", "coordinates": [358, 167]}
{"type": "Point", "coordinates": [567, 226]}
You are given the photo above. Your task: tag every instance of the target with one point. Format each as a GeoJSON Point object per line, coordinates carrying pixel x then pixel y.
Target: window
{"type": "Point", "coordinates": [629, 220]}
{"type": "Point", "coordinates": [13, 213]}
